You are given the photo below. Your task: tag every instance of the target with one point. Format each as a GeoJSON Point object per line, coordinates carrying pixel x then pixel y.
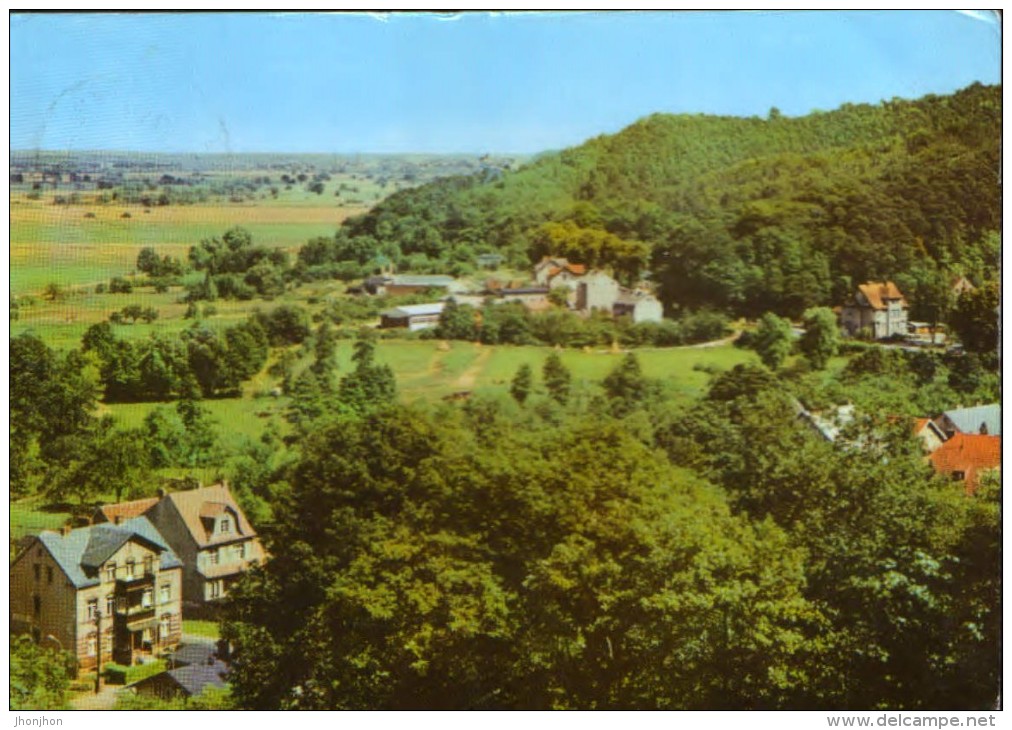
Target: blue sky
{"type": "Point", "coordinates": [472, 83]}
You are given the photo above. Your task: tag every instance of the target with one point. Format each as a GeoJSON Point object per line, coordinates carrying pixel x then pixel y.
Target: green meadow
{"type": "Point", "coordinates": [427, 371]}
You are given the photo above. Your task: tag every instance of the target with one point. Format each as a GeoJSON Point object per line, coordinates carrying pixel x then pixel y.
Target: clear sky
{"type": "Point", "coordinates": [477, 82]}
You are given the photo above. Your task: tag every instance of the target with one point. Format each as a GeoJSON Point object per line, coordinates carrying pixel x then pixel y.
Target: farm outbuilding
{"type": "Point", "coordinates": [412, 316]}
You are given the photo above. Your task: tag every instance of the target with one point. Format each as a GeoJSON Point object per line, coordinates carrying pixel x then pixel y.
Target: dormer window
{"type": "Point", "coordinates": [226, 525]}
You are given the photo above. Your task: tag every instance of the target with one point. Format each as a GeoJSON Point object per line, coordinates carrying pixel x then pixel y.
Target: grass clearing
{"type": "Point", "coordinates": [208, 629]}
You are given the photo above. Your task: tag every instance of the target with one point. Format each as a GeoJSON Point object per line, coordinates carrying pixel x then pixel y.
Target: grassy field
{"type": "Point", "coordinates": [427, 370]}
{"type": "Point", "coordinates": [64, 245]}
{"type": "Point", "coordinates": [424, 370]}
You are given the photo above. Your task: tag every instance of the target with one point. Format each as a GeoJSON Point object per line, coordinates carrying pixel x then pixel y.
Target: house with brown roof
{"type": "Point", "coordinates": [109, 591]}
{"type": "Point", "coordinates": [591, 290]}
{"type": "Point", "coordinates": [966, 457]}
{"type": "Point", "coordinates": [211, 535]}
{"type": "Point", "coordinates": [557, 269]}
{"type": "Point", "coordinates": [878, 307]}
{"type": "Point", "coordinates": [209, 532]}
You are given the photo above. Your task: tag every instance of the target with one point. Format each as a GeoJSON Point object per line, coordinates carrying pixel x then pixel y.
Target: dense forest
{"type": "Point", "coordinates": [605, 548]}
{"type": "Point", "coordinates": [748, 215]}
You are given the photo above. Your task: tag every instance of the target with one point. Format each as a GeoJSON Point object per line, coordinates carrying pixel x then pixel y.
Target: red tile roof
{"type": "Point", "coordinates": [969, 453]}
{"type": "Point", "coordinates": [116, 513]}
{"type": "Point", "coordinates": [876, 292]}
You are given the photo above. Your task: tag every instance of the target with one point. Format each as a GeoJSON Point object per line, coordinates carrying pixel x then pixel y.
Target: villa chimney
{"type": "Point", "coordinates": [65, 530]}
{"type": "Point", "coordinates": [161, 492]}
{"type": "Point", "coordinates": [117, 519]}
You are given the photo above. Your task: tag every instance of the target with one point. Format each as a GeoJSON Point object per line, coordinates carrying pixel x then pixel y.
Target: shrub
{"type": "Point", "coordinates": [119, 285]}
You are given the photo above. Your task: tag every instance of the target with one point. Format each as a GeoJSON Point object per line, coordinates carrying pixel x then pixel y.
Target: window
{"type": "Point", "coordinates": [49, 574]}
{"type": "Point", "coordinates": [149, 564]}
{"type": "Point", "coordinates": [164, 627]}
{"type": "Point", "coordinates": [212, 556]}
{"type": "Point", "coordinates": [240, 551]}
{"type": "Point", "coordinates": [92, 608]}
{"type": "Point", "coordinates": [37, 605]}
{"type": "Point", "coordinates": [92, 645]}
{"type": "Point", "coordinates": [38, 571]}
{"type": "Point", "coordinates": [131, 568]}
{"type": "Point", "coordinates": [164, 593]}
{"type": "Point", "coordinates": [147, 598]}
{"type": "Point", "coordinates": [226, 525]}
{"type": "Point", "coordinates": [110, 605]}
{"type": "Point", "coordinates": [110, 571]}
{"type": "Point", "coordinates": [215, 589]}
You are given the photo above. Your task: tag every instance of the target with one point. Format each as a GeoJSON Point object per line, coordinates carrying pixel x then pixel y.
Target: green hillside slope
{"type": "Point", "coordinates": [747, 215]}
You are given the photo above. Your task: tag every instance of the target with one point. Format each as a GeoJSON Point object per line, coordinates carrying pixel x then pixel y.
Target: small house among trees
{"type": "Point", "coordinates": [878, 307]}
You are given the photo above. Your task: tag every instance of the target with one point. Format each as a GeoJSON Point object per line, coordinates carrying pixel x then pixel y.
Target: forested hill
{"type": "Point", "coordinates": [747, 215]}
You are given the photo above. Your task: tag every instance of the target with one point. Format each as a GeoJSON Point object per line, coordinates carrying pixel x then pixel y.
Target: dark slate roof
{"type": "Point", "coordinates": [67, 551]}
{"type": "Point", "coordinates": [80, 552]}
{"type": "Point", "coordinates": [193, 654]}
{"type": "Point", "coordinates": [101, 545]}
{"type": "Point", "coordinates": [195, 678]}
{"type": "Point", "coordinates": [526, 290]}
{"type": "Point", "coordinates": [192, 679]}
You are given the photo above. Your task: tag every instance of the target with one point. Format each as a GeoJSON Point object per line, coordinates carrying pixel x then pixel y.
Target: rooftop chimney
{"type": "Point", "coordinates": [161, 492]}
{"type": "Point", "coordinates": [65, 530]}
